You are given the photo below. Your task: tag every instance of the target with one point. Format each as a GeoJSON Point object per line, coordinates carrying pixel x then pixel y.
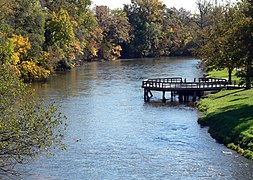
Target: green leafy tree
{"type": "Point", "coordinates": [27, 125]}
{"type": "Point", "coordinates": [188, 36]}
{"type": "Point", "coordinates": [221, 49]}
{"type": "Point", "coordinates": [245, 37]}
{"type": "Point", "coordinates": [228, 42]}
{"type": "Point", "coordinates": [60, 33]}
{"type": "Point", "coordinates": [54, 5]}
{"type": "Point", "coordinates": [59, 30]}
{"type": "Point", "coordinates": [155, 28]}
{"type": "Point", "coordinates": [23, 20]}
{"type": "Point", "coordinates": [203, 21]}
{"type": "Point", "coordinates": [28, 20]}
{"type": "Point", "coordinates": [82, 20]}
{"type": "Point", "coordinates": [6, 12]}
{"type": "Point", "coordinates": [115, 31]}
{"type": "Point", "coordinates": [88, 34]}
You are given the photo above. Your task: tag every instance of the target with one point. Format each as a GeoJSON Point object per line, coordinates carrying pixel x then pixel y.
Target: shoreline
{"type": "Point", "coordinates": [229, 116]}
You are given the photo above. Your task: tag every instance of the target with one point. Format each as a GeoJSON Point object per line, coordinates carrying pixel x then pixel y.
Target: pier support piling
{"type": "Point", "coordinates": [180, 98]}
{"type": "Point", "coordinates": [164, 98]}
{"type": "Point", "coordinates": [194, 98]}
{"type": "Point", "coordinates": [147, 95]}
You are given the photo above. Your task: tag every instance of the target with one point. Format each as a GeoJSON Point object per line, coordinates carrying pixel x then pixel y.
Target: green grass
{"type": "Point", "coordinates": [229, 114]}
{"type": "Point", "coordinates": [222, 74]}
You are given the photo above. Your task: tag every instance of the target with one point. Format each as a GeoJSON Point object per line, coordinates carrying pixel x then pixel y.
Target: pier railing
{"type": "Point", "coordinates": [166, 80]}
{"type": "Point", "coordinates": [179, 83]}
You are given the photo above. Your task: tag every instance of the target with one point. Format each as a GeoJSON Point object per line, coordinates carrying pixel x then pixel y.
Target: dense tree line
{"type": "Point", "coordinates": [38, 37]}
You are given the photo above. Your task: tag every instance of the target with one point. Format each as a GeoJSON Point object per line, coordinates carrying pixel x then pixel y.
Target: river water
{"type": "Point", "coordinates": [113, 134]}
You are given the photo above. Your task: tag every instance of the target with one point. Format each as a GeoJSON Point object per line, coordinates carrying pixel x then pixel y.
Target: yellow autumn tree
{"type": "Point", "coordinates": [15, 53]}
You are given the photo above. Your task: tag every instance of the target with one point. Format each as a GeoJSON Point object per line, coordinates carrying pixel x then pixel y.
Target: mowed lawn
{"type": "Point", "coordinates": [229, 114]}
{"type": "Point", "coordinates": [222, 74]}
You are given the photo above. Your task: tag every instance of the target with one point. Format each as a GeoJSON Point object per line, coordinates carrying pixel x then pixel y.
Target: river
{"type": "Point", "coordinates": [113, 134]}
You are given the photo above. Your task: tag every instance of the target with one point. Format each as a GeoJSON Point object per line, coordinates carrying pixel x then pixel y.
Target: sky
{"type": "Point", "coordinates": [187, 4]}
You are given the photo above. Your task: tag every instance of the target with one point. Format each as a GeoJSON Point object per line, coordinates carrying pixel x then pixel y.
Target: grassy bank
{"type": "Point", "coordinates": [222, 74]}
{"type": "Point", "coordinates": [229, 114]}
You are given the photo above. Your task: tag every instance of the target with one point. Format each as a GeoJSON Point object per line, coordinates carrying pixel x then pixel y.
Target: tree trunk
{"type": "Point", "coordinates": [248, 78]}
{"type": "Point", "coordinates": [248, 70]}
{"type": "Point", "coordinates": [230, 70]}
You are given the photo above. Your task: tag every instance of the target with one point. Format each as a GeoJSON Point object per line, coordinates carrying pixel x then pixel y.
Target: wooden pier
{"type": "Point", "coordinates": [180, 87]}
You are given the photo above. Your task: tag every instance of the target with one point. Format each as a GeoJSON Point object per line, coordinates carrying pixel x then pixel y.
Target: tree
{"type": "Point", "coordinates": [246, 37]}
{"type": "Point", "coordinates": [205, 10]}
{"type": "Point", "coordinates": [14, 51]}
{"type": "Point", "coordinates": [228, 42]}
{"type": "Point", "coordinates": [59, 30]}
{"type": "Point", "coordinates": [188, 36]}
{"type": "Point", "coordinates": [155, 29]}
{"type": "Point", "coordinates": [60, 36]}
{"type": "Point", "coordinates": [28, 20]}
{"type": "Point", "coordinates": [115, 31]}
{"type": "Point", "coordinates": [222, 49]}
{"type": "Point", "coordinates": [23, 21]}
{"type": "Point", "coordinates": [6, 11]}
{"type": "Point", "coordinates": [27, 125]}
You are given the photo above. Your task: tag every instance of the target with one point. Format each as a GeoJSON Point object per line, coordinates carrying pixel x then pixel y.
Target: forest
{"type": "Point", "coordinates": [40, 37]}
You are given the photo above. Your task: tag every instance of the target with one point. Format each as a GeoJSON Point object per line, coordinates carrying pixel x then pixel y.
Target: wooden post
{"type": "Point", "coordinates": [194, 96]}
{"type": "Point", "coordinates": [185, 98]}
{"type": "Point", "coordinates": [180, 97]}
{"type": "Point", "coordinates": [164, 98]}
{"type": "Point", "coordinates": [145, 95]}
{"type": "Point", "coordinates": [171, 98]}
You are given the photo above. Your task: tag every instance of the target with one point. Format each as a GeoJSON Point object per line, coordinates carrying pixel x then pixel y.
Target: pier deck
{"type": "Point", "coordinates": [182, 88]}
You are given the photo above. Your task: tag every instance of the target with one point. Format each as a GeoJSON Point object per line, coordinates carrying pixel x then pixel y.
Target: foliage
{"type": "Point", "coordinates": [155, 29]}
{"type": "Point", "coordinates": [27, 125]}
{"type": "Point", "coordinates": [115, 31]}
{"type": "Point", "coordinates": [60, 34]}
{"type": "Point", "coordinates": [203, 18]}
{"type": "Point", "coordinates": [229, 116]}
{"type": "Point", "coordinates": [15, 52]}
{"type": "Point", "coordinates": [63, 33]}
{"type": "Point", "coordinates": [59, 30]}
{"type": "Point", "coordinates": [22, 36]}
{"type": "Point", "coordinates": [227, 44]}
{"type": "Point", "coordinates": [245, 38]}
{"type": "Point", "coordinates": [188, 32]}
{"type": "Point", "coordinates": [28, 20]}
{"type": "Point", "coordinates": [221, 49]}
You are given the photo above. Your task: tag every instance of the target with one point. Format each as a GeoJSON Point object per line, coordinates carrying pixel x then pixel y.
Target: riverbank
{"type": "Point", "coordinates": [229, 115]}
